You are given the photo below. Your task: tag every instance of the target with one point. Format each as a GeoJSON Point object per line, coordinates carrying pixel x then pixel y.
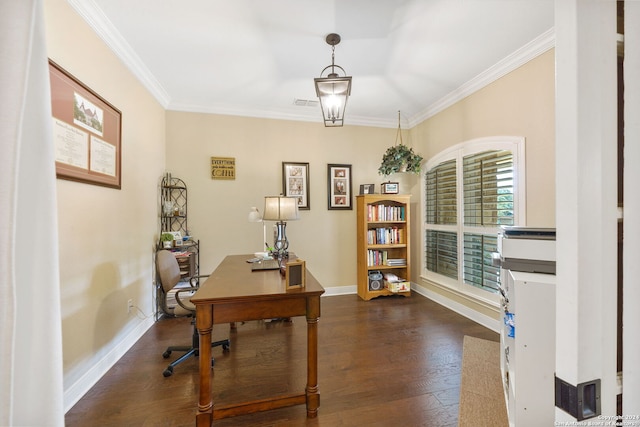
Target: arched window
{"type": "Point", "coordinates": [471, 190]}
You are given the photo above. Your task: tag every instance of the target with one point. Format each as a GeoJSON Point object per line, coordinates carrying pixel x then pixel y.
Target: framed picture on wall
{"type": "Point", "coordinates": [339, 187]}
{"type": "Point", "coordinates": [295, 182]}
{"type": "Point", "coordinates": [86, 132]}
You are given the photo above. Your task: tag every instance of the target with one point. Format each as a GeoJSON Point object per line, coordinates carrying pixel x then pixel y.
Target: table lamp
{"type": "Point", "coordinates": [280, 209]}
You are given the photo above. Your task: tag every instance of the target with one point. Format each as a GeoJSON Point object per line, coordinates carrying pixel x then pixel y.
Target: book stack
{"type": "Point", "coordinates": [396, 262]}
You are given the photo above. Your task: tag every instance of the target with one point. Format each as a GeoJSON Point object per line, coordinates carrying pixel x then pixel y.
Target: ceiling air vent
{"type": "Point", "coordinates": [305, 102]}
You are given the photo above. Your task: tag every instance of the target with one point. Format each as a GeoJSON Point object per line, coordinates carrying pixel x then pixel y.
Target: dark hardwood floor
{"type": "Point", "coordinates": [391, 361]}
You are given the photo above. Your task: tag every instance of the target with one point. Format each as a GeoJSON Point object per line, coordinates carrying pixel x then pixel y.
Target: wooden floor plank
{"type": "Point", "coordinates": [388, 361]}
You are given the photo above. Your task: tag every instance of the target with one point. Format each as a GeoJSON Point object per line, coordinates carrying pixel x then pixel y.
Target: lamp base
{"type": "Point", "coordinates": [281, 244]}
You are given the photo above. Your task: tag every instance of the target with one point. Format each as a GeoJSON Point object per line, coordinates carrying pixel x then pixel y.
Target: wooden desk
{"type": "Point", "coordinates": [233, 293]}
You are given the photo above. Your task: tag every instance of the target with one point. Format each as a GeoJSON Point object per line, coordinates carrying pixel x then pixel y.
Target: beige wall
{"type": "Point", "coordinates": [520, 104]}
{"type": "Point", "coordinates": [218, 209]}
{"type": "Point", "coordinates": [106, 235]}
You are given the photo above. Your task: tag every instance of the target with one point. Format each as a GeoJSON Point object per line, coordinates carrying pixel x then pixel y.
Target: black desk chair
{"type": "Point", "coordinates": [169, 276]}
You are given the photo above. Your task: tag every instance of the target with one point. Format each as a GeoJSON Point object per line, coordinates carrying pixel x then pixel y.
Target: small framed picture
{"type": "Point", "coordinates": [295, 182]}
{"type": "Point", "coordinates": [296, 274]}
{"type": "Point", "coordinates": [177, 242]}
{"type": "Point", "coordinates": [367, 189]}
{"type": "Point", "coordinates": [339, 186]}
{"type": "Point", "coordinates": [390, 188]}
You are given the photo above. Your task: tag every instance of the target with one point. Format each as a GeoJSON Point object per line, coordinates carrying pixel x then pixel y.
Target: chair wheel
{"type": "Point", "coordinates": [213, 362]}
{"type": "Point", "coordinates": [225, 348]}
{"type": "Point", "coordinates": [168, 372]}
{"type": "Point", "coordinates": [166, 355]}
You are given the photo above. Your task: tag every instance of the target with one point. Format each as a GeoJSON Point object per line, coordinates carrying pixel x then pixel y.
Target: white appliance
{"type": "Point", "coordinates": [527, 335]}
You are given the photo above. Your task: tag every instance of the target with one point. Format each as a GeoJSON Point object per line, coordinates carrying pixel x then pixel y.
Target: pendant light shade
{"type": "Point", "coordinates": [333, 90]}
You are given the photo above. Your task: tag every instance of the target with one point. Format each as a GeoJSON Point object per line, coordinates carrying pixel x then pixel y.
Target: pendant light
{"type": "Point", "coordinates": [333, 90]}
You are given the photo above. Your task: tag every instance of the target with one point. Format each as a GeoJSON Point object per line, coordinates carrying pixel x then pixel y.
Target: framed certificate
{"type": "Point", "coordinates": [86, 132]}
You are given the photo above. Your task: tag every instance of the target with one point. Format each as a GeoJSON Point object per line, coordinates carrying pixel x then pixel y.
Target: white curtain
{"type": "Point", "coordinates": [31, 390]}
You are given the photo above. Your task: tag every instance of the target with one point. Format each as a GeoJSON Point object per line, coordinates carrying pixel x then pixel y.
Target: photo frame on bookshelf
{"type": "Point", "coordinates": [390, 188]}
{"type": "Point", "coordinates": [367, 189]}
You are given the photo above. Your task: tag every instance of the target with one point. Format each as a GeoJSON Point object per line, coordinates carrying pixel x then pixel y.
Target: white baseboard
{"type": "Point", "coordinates": [461, 309]}
{"type": "Point", "coordinates": [75, 391]}
{"type": "Point", "coordinates": [340, 290]}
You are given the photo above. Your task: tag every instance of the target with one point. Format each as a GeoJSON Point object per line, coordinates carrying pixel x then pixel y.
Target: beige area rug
{"type": "Point", "coordinates": [481, 393]}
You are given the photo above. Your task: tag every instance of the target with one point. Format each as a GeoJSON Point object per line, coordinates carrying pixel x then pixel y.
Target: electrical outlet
{"type": "Point", "coordinates": [129, 305]}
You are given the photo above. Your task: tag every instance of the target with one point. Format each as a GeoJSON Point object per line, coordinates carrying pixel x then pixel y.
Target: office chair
{"type": "Point", "coordinates": [169, 276]}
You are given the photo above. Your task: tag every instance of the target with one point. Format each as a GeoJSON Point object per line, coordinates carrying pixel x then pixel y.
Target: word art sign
{"type": "Point", "coordinates": [223, 168]}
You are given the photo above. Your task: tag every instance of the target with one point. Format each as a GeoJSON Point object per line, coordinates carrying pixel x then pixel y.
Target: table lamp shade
{"type": "Point", "coordinates": [280, 208]}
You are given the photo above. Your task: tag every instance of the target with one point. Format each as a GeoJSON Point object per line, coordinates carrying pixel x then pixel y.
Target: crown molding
{"type": "Point", "coordinates": [526, 53]}
{"type": "Point", "coordinates": [95, 18]}
{"type": "Point", "coordinates": [102, 26]}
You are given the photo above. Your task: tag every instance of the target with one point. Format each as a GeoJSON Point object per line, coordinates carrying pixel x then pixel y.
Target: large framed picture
{"type": "Point", "coordinates": [295, 182]}
{"type": "Point", "coordinates": [86, 132]}
{"type": "Point", "coordinates": [339, 186]}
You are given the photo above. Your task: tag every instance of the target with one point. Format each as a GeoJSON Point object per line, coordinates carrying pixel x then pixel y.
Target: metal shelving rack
{"type": "Point", "coordinates": [173, 217]}
{"type": "Point", "coordinates": [173, 204]}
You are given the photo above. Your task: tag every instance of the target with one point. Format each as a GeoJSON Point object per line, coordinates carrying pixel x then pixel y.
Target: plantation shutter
{"type": "Point", "coordinates": [442, 253]}
{"type": "Point", "coordinates": [478, 267]}
{"type": "Point", "coordinates": [488, 188]}
{"type": "Point", "coordinates": [441, 197]}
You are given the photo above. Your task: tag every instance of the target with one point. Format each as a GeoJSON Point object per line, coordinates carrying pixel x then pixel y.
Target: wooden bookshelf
{"type": "Point", "coordinates": [382, 242]}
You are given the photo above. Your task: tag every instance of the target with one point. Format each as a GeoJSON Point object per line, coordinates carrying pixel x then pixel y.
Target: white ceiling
{"type": "Point", "coordinates": [255, 57]}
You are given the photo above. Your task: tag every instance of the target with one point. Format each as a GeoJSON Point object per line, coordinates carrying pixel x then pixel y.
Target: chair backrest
{"type": "Point", "coordinates": [168, 270]}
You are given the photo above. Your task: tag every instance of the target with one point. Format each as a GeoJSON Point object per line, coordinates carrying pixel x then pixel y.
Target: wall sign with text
{"type": "Point", "coordinates": [223, 168]}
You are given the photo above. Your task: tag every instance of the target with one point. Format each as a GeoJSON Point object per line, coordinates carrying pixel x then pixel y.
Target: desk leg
{"type": "Point", "coordinates": [313, 396]}
{"type": "Point", "coordinates": [204, 323]}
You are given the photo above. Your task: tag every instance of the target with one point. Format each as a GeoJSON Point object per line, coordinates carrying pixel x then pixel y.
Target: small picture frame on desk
{"type": "Point", "coordinates": [177, 243]}
{"type": "Point", "coordinates": [390, 188]}
{"type": "Point", "coordinates": [295, 274]}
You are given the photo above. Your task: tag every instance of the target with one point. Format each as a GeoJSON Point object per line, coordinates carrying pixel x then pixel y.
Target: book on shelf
{"type": "Point", "coordinates": [376, 257]}
{"type": "Point", "coordinates": [385, 213]}
{"type": "Point", "coordinates": [385, 236]}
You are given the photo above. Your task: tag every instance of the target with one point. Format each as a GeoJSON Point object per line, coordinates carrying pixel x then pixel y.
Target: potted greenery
{"type": "Point", "coordinates": [400, 158]}
{"type": "Point", "coordinates": [167, 240]}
